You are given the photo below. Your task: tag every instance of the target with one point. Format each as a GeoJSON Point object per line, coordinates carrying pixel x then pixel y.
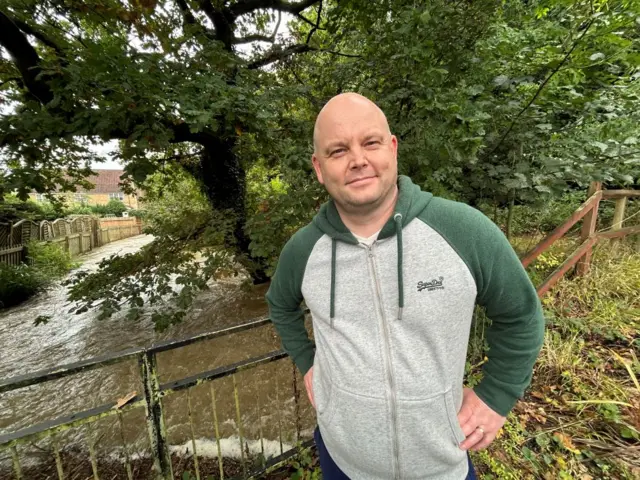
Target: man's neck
{"type": "Point", "coordinates": [365, 224]}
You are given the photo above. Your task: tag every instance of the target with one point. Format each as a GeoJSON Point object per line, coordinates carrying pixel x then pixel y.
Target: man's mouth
{"type": "Point", "coordinates": [360, 180]}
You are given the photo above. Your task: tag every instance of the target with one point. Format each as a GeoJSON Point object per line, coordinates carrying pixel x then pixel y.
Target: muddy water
{"type": "Point", "coordinates": [266, 398]}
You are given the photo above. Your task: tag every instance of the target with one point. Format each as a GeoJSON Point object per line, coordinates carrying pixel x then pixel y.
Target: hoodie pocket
{"type": "Point", "coordinates": [428, 437]}
{"type": "Point", "coordinates": [356, 431]}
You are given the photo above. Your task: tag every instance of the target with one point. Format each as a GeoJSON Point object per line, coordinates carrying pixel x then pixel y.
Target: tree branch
{"type": "Point", "coordinates": [25, 58]}
{"type": "Point", "coordinates": [247, 6]}
{"type": "Point", "coordinates": [261, 38]}
{"type": "Point", "coordinates": [279, 54]}
{"type": "Point", "coordinates": [539, 91]}
{"type": "Point", "coordinates": [222, 21]}
{"type": "Point", "coordinates": [191, 20]}
{"type": "Point", "coordinates": [315, 27]}
{"type": "Point", "coordinates": [39, 35]}
{"type": "Point", "coordinates": [252, 38]}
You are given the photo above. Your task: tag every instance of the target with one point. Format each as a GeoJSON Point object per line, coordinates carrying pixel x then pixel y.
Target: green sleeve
{"type": "Point", "coordinates": [516, 332]}
{"type": "Point", "coordinates": [285, 296]}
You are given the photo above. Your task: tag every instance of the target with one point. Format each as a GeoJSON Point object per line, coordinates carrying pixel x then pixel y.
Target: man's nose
{"type": "Point", "coordinates": [358, 158]}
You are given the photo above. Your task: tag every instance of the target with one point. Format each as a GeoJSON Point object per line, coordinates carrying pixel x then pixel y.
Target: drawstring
{"type": "Point", "coordinates": [334, 245]}
{"type": "Point", "coordinates": [398, 219]}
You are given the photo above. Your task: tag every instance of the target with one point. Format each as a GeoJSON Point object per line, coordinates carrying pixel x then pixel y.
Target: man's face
{"type": "Point", "coordinates": [355, 156]}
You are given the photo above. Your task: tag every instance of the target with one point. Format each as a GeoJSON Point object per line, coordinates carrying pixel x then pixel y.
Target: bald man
{"type": "Point", "coordinates": [391, 276]}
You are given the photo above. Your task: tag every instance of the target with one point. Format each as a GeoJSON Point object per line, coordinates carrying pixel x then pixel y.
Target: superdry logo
{"type": "Point", "coordinates": [432, 285]}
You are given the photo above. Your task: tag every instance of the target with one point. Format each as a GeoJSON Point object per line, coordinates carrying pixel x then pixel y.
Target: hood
{"type": "Point", "coordinates": [411, 202]}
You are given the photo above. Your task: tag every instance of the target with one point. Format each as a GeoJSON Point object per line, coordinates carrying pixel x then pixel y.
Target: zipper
{"type": "Point", "coordinates": [387, 349]}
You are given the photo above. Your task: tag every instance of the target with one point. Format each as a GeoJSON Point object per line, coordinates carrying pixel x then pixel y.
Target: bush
{"type": "Point", "coordinates": [51, 261]}
{"type": "Point", "coordinates": [47, 262]}
{"type": "Point", "coordinates": [12, 209]}
{"type": "Point", "coordinates": [17, 284]}
{"type": "Point", "coordinates": [114, 207]}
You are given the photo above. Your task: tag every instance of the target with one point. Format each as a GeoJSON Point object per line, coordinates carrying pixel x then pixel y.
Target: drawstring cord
{"type": "Point", "coordinates": [334, 244]}
{"type": "Point", "coordinates": [398, 219]}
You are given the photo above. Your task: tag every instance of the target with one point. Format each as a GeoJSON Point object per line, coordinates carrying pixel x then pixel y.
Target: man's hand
{"type": "Point", "coordinates": [308, 384]}
{"type": "Point", "coordinates": [480, 424]}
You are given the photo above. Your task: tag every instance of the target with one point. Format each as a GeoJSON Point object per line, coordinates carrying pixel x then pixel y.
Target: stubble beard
{"type": "Point", "coordinates": [354, 207]}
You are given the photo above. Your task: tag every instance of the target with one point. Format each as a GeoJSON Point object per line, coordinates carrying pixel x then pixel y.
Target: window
{"type": "Point", "coordinates": [80, 198]}
{"type": "Point", "coordinates": [40, 197]}
{"type": "Point", "coordinates": [117, 196]}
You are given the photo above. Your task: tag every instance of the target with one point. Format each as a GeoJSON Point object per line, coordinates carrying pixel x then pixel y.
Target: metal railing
{"type": "Point", "coordinates": [151, 399]}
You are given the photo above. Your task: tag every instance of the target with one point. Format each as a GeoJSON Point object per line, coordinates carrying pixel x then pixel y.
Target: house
{"type": "Point", "coordinates": [106, 187]}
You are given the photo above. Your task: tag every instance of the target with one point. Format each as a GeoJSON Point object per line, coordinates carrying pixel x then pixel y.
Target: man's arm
{"type": "Point", "coordinates": [517, 321]}
{"type": "Point", "coordinates": [284, 298]}
{"type": "Point", "coordinates": [504, 289]}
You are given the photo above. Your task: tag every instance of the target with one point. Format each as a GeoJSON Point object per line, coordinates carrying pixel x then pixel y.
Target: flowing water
{"type": "Point", "coordinates": [266, 397]}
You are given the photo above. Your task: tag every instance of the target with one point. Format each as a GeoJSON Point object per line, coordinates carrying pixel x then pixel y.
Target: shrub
{"type": "Point", "coordinates": [17, 283]}
{"type": "Point", "coordinates": [50, 261]}
{"type": "Point", "coordinates": [47, 262]}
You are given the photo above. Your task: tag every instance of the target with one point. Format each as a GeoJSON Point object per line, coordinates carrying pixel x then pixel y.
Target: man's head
{"type": "Point", "coordinates": [355, 155]}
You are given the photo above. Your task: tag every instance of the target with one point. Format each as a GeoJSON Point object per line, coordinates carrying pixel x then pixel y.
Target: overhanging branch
{"type": "Point", "coordinates": [26, 28]}
{"type": "Point", "coordinates": [317, 25]}
{"type": "Point", "coordinates": [252, 38]}
{"type": "Point", "coordinates": [247, 6]}
{"type": "Point", "coordinates": [25, 58]}
{"type": "Point", "coordinates": [280, 54]}
{"type": "Point", "coordinates": [189, 19]}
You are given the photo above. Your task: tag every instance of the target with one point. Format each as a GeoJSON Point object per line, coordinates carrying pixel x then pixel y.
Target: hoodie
{"type": "Point", "coordinates": [391, 325]}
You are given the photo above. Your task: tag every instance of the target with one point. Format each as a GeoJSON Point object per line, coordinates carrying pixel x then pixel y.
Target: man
{"type": "Point", "coordinates": [391, 276]}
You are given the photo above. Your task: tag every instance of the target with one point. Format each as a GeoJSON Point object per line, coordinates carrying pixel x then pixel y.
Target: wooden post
{"type": "Point", "coordinates": [618, 214]}
{"type": "Point", "coordinates": [589, 229]}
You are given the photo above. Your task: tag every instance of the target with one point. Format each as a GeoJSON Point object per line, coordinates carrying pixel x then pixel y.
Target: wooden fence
{"type": "Point", "coordinates": [76, 235]}
{"type": "Point", "coordinates": [588, 212]}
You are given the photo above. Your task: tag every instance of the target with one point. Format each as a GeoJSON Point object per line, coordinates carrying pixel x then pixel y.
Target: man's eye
{"type": "Point", "coordinates": [338, 151]}
{"type": "Point", "coordinates": [372, 143]}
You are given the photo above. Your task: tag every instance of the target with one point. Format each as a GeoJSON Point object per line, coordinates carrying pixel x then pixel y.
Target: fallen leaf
{"type": "Point", "coordinates": [124, 400]}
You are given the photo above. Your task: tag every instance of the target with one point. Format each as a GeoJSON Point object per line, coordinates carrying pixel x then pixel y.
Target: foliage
{"type": "Point", "coordinates": [283, 206]}
{"type": "Point", "coordinates": [493, 103]}
{"type": "Point", "coordinates": [113, 207]}
{"type": "Point", "coordinates": [493, 100]}
{"type": "Point", "coordinates": [164, 277]}
{"type": "Point", "coordinates": [46, 262]}
{"type": "Point", "coordinates": [49, 259]}
{"type": "Point", "coordinates": [171, 197]}
{"type": "Point", "coordinates": [17, 283]}
{"type": "Point", "coordinates": [12, 209]}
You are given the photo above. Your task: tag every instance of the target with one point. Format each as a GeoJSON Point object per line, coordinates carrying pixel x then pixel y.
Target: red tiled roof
{"type": "Point", "coordinates": [106, 181]}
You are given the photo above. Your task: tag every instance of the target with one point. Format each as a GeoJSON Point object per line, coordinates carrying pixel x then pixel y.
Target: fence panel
{"type": "Point", "coordinates": [12, 255]}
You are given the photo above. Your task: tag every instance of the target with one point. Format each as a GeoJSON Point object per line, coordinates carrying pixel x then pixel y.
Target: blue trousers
{"type": "Point", "coordinates": [330, 471]}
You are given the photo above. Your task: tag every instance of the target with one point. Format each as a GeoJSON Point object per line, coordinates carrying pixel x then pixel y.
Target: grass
{"type": "Point", "coordinates": [581, 417]}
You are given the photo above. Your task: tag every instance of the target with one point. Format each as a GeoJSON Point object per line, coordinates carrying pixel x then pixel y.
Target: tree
{"type": "Point", "coordinates": [498, 101]}
{"type": "Point", "coordinates": [161, 77]}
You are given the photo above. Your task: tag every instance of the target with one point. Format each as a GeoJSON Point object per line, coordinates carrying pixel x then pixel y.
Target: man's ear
{"type": "Point", "coordinates": [316, 166]}
{"type": "Point", "coordinates": [394, 145]}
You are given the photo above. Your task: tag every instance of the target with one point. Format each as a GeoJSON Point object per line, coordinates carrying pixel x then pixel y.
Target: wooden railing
{"type": "Point", "coordinates": [588, 212]}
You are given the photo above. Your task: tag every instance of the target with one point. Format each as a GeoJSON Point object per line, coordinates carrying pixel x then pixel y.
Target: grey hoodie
{"type": "Point", "coordinates": [391, 324]}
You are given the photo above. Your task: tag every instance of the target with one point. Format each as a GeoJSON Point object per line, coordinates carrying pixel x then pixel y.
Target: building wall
{"type": "Point", "coordinates": [130, 201]}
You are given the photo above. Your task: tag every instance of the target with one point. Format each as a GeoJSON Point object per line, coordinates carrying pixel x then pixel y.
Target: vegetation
{"type": "Point", "coordinates": [501, 105]}
{"type": "Point", "coordinates": [46, 263]}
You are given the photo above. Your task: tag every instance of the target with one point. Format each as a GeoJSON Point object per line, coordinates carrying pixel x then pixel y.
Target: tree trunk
{"type": "Point", "coordinates": [224, 180]}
